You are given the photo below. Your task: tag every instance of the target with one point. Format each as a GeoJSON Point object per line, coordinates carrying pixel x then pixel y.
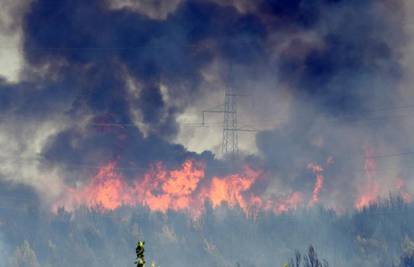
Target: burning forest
{"type": "Point", "coordinates": [221, 132]}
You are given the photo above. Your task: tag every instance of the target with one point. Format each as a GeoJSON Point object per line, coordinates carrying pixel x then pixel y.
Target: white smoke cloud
{"type": "Point", "coordinates": [11, 58]}
{"type": "Point", "coordinates": [259, 107]}
{"type": "Point", "coordinates": [21, 145]}
{"type": "Point", "coordinates": [158, 9]}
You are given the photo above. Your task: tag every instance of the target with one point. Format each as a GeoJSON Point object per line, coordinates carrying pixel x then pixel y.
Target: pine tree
{"type": "Point", "coordinates": [309, 260]}
{"type": "Point", "coordinates": [24, 256]}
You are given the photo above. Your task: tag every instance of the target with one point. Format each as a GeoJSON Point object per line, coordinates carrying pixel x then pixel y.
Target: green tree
{"type": "Point", "coordinates": [309, 260]}
{"type": "Point", "coordinates": [407, 259]}
{"type": "Point", "coordinates": [24, 256]}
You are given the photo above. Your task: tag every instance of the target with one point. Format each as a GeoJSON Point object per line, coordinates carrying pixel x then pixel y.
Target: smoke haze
{"type": "Point", "coordinates": [101, 106]}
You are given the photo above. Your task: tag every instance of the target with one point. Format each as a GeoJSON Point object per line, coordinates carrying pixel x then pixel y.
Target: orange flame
{"type": "Point", "coordinates": [185, 189]}
{"type": "Point", "coordinates": [317, 170]}
{"type": "Point", "coordinates": [370, 192]}
{"type": "Point", "coordinates": [293, 201]}
{"type": "Point", "coordinates": [161, 190]}
{"type": "Point", "coordinates": [230, 190]}
{"type": "Point", "coordinates": [106, 191]}
{"type": "Point", "coordinates": [402, 189]}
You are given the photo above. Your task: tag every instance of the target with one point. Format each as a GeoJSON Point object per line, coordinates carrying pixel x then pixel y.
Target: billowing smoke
{"type": "Point", "coordinates": [88, 97]}
{"type": "Point", "coordinates": [104, 111]}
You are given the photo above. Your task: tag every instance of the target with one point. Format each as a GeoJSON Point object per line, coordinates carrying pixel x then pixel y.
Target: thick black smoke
{"type": "Point", "coordinates": [103, 82]}
{"type": "Point", "coordinates": [92, 55]}
{"type": "Point", "coordinates": [342, 62]}
{"type": "Point", "coordinates": [117, 79]}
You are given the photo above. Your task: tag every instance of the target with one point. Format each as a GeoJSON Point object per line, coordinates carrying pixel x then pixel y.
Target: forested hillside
{"type": "Point", "coordinates": [376, 236]}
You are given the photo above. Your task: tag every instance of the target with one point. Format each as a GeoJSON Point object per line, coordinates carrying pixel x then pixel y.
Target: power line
{"type": "Point", "coordinates": [154, 42]}
{"type": "Point", "coordinates": [230, 142]}
{"type": "Point", "coordinates": [218, 110]}
{"type": "Point", "coordinates": [79, 165]}
{"type": "Point", "coordinates": [392, 108]}
{"type": "Point", "coordinates": [352, 119]}
{"type": "Point", "coordinates": [121, 125]}
{"type": "Point", "coordinates": [362, 119]}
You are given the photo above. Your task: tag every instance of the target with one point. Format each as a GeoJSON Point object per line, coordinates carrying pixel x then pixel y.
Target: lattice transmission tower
{"type": "Point", "coordinates": [230, 143]}
{"type": "Point", "coordinates": [231, 129]}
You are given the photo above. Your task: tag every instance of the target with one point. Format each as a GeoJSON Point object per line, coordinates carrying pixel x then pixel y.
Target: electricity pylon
{"type": "Point", "coordinates": [230, 142]}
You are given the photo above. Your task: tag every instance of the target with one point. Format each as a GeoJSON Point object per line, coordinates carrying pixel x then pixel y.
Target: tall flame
{"type": "Point", "coordinates": [317, 170]}
{"type": "Point", "coordinates": [292, 201]}
{"type": "Point", "coordinates": [161, 190]}
{"type": "Point", "coordinates": [107, 191]}
{"type": "Point", "coordinates": [230, 190]}
{"type": "Point", "coordinates": [370, 192]}
{"type": "Point", "coordinates": [402, 189]}
{"type": "Point", "coordinates": [185, 189]}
